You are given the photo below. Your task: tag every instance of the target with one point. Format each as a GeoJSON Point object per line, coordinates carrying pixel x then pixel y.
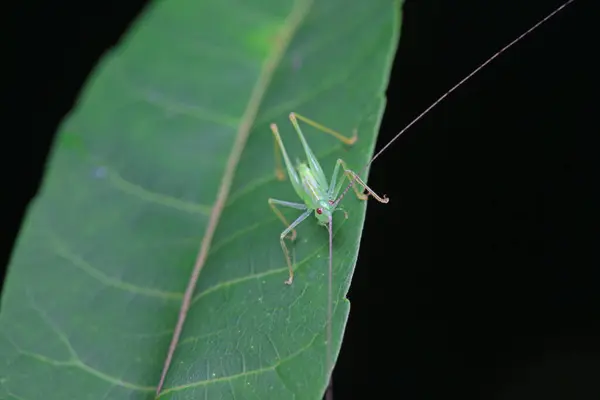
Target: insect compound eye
{"type": "Point", "coordinates": [319, 211]}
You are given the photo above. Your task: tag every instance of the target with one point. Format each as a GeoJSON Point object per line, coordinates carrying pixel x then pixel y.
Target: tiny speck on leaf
{"type": "Point", "coordinates": [100, 172]}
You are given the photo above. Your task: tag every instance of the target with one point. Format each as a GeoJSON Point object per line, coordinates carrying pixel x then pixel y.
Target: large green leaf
{"type": "Point", "coordinates": [168, 144]}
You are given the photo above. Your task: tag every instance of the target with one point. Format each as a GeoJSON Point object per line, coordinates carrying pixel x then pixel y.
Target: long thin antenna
{"type": "Point", "coordinates": [330, 305]}
{"type": "Point", "coordinates": [442, 97]}
{"type": "Point", "coordinates": [355, 176]}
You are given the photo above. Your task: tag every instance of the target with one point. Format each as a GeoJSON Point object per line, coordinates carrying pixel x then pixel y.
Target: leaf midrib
{"type": "Point", "coordinates": [282, 41]}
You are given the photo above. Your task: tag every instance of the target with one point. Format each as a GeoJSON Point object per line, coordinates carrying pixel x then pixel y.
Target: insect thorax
{"type": "Point", "coordinates": [315, 193]}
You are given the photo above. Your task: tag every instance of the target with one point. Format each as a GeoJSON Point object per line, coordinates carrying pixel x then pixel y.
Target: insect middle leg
{"type": "Point", "coordinates": [273, 203]}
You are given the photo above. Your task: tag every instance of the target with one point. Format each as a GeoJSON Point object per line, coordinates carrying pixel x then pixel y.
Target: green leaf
{"type": "Point", "coordinates": [168, 151]}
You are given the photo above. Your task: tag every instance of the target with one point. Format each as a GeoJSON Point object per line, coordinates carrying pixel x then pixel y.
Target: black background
{"type": "Point", "coordinates": [479, 278]}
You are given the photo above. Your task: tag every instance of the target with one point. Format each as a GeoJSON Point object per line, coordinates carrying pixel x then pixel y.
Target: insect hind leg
{"type": "Point", "coordinates": [344, 139]}
{"type": "Point", "coordinates": [279, 170]}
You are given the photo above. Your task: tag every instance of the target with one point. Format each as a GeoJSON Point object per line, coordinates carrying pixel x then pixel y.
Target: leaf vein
{"type": "Point", "coordinates": [201, 337]}
{"type": "Point", "coordinates": [75, 360]}
{"type": "Point", "coordinates": [78, 364]}
{"type": "Point", "coordinates": [158, 198]}
{"type": "Point", "coordinates": [152, 97]}
{"type": "Point", "coordinates": [62, 249]}
{"type": "Point", "coordinates": [244, 374]}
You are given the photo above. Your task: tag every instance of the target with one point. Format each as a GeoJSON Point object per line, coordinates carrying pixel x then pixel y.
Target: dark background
{"type": "Point", "coordinates": [479, 278]}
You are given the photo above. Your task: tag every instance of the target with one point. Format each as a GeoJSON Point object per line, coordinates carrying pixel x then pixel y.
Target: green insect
{"type": "Point", "coordinates": [317, 195]}
{"type": "Point", "coordinates": [310, 184]}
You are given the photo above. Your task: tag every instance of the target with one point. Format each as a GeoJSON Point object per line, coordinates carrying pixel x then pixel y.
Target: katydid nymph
{"type": "Point", "coordinates": [310, 184]}
{"type": "Point", "coordinates": [318, 196]}
{"type": "Point", "coordinates": [321, 197]}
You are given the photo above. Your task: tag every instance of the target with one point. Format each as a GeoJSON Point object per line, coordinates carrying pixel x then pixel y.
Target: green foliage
{"type": "Point", "coordinates": [138, 170]}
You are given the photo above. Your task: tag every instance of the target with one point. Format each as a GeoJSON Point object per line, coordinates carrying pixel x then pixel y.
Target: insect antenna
{"type": "Point", "coordinates": [330, 307]}
{"type": "Point", "coordinates": [442, 97]}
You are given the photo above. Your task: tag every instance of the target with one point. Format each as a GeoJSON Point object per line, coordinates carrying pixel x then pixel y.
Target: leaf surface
{"type": "Point", "coordinates": [168, 150]}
